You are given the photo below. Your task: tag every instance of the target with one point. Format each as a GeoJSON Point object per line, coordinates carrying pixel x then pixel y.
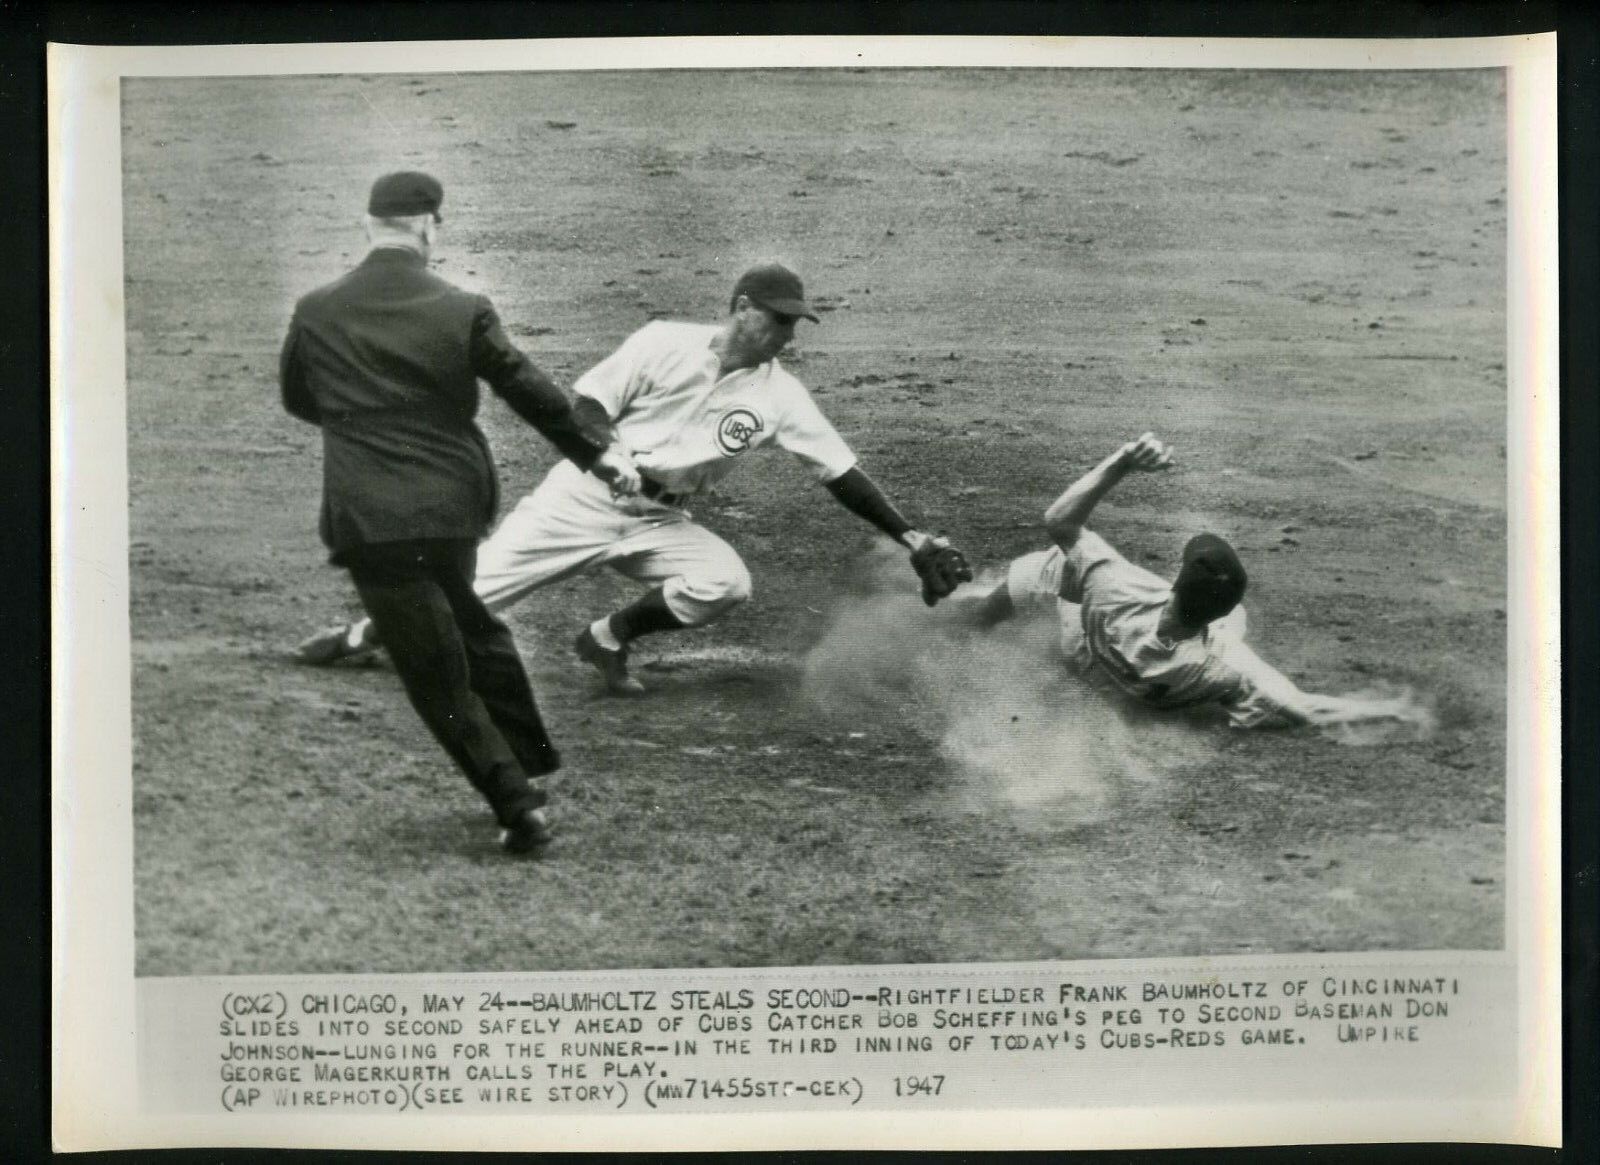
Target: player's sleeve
{"type": "Point", "coordinates": [1089, 552]}
{"type": "Point", "coordinates": [811, 437]}
{"type": "Point", "coordinates": [616, 380]}
{"type": "Point", "coordinates": [298, 400]}
{"type": "Point", "coordinates": [1254, 693]}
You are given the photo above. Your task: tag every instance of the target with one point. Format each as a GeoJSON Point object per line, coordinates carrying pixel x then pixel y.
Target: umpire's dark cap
{"type": "Point", "coordinates": [1211, 581]}
{"type": "Point", "coordinates": [406, 193]}
{"type": "Point", "coordinates": [776, 288]}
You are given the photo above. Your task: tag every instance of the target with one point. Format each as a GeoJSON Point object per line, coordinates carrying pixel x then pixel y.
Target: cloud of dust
{"type": "Point", "coordinates": [1021, 730]}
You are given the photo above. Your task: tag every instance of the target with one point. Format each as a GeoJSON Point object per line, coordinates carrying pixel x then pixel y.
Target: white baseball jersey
{"type": "Point", "coordinates": [687, 425]}
{"type": "Point", "coordinates": [1110, 611]}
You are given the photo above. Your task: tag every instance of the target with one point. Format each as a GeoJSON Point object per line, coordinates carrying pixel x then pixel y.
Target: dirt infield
{"type": "Point", "coordinates": [1296, 278]}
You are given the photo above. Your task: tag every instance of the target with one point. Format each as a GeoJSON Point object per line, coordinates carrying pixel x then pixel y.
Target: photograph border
{"type": "Point", "coordinates": [88, 409]}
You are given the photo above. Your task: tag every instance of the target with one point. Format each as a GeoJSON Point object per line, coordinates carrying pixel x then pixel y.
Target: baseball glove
{"type": "Point", "coordinates": [941, 567]}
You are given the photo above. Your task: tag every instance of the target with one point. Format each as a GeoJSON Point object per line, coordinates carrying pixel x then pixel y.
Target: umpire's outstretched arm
{"type": "Point", "coordinates": [524, 386]}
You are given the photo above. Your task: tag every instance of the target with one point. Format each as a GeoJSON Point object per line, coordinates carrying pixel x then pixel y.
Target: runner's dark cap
{"type": "Point", "coordinates": [1211, 581]}
{"type": "Point", "coordinates": [406, 193]}
{"type": "Point", "coordinates": [776, 288]}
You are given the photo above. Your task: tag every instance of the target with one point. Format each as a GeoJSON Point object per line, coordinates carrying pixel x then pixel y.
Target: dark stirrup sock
{"type": "Point", "coordinates": [646, 614]}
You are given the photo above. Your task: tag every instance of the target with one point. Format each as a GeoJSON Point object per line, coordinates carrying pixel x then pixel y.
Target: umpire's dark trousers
{"type": "Point", "coordinates": [459, 665]}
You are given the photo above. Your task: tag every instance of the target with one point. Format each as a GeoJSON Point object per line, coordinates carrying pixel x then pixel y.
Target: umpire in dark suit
{"type": "Point", "coordinates": [387, 361]}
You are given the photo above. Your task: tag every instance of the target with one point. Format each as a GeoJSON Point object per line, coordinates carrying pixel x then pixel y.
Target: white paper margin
{"type": "Point", "coordinates": [93, 1063]}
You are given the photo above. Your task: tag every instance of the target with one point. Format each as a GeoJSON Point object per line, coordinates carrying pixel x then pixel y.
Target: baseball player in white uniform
{"type": "Point", "coordinates": [688, 402]}
{"type": "Point", "coordinates": [1167, 645]}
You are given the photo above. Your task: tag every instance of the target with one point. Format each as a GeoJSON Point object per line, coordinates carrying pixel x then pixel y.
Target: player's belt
{"type": "Point", "coordinates": [657, 492]}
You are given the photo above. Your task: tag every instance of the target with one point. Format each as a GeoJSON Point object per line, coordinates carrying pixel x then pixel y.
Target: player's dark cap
{"type": "Point", "coordinates": [406, 193]}
{"type": "Point", "coordinates": [776, 288]}
{"type": "Point", "coordinates": [1211, 581]}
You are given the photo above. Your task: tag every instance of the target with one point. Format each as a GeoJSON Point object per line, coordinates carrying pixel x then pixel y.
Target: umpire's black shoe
{"type": "Point", "coordinates": [612, 665]}
{"type": "Point", "coordinates": [530, 833]}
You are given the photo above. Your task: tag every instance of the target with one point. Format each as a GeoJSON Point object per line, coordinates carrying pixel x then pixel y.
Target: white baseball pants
{"type": "Point", "coordinates": [571, 524]}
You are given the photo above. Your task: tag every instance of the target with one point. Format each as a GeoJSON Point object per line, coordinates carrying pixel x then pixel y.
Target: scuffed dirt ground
{"type": "Point", "coordinates": [1296, 278]}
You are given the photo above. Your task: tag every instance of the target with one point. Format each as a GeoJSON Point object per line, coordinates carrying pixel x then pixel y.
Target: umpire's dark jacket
{"type": "Point", "coordinates": [387, 360]}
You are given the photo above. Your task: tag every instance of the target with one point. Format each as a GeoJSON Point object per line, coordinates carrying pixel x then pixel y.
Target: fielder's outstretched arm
{"type": "Point", "coordinates": [859, 494]}
{"type": "Point", "coordinates": [941, 567]}
{"type": "Point", "coordinates": [1069, 513]}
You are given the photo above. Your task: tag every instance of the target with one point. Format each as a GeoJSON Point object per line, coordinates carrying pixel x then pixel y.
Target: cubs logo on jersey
{"type": "Point", "coordinates": [736, 429]}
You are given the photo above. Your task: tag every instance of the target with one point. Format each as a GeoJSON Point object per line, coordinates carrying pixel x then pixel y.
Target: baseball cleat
{"type": "Point", "coordinates": [530, 832]}
{"type": "Point", "coordinates": [333, 643]}
{"type": "Point", "coordinates": [612, 665]}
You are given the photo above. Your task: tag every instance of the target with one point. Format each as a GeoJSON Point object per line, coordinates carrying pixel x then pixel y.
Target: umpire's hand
{"type": "Point", "coordinates": [616, 468]}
